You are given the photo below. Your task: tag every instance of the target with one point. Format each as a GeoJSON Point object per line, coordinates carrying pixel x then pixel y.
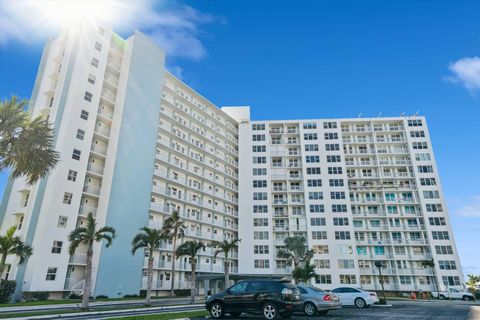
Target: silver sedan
{"type": "Point", "coordinates": [315, 300]}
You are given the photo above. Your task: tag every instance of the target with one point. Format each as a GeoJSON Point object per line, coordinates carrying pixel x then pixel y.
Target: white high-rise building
{"type": "Point", "coordinates": [136, 144]}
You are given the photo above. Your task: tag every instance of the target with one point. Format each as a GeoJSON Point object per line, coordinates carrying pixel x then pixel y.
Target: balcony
{"type": "Point", "coordinates": [92, 189]}
{"type": "Point", "coordinates": [85, 210]}
{"type": "Point", "coordinates": [95, 168]}
{"type": "Point", "coordinates": [78, 259]}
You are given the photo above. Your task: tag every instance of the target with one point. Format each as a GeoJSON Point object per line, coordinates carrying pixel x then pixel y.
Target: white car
{"type": "Point", "coordinates": [355, 297]}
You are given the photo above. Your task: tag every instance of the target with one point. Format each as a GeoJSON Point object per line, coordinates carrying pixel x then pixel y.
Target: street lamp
{"type": "Point", "coordinates": [378, 264]}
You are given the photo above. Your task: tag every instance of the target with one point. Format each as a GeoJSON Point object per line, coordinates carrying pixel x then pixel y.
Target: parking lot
{"type": "Point", "coordinates": [438, 310]}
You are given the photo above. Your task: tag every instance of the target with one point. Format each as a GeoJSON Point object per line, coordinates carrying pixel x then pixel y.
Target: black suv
{"type": "Point", "coordinates": [273, 299]}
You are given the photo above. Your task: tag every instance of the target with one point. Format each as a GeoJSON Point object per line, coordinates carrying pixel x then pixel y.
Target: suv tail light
{"type": "Point", "coordinates": [287, 292]}
{"type": "Point", "coordinates": [327, 297]}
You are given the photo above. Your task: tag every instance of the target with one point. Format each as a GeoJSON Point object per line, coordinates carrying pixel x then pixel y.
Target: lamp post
{"type": "Point", "coordinates": [378, 264]}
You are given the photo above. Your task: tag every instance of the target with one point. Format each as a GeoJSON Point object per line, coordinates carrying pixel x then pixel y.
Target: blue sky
{"type": "Point", "coordinates": [315, 59]}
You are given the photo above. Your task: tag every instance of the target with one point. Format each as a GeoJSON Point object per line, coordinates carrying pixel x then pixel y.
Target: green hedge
{"type": "Point", "coordinates": [182, 292]}
{"type": "Point", "coordinates": [7, 288]}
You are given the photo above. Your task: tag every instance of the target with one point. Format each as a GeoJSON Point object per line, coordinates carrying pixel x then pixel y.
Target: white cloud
{"type": "Point", "coordinates": [177, 71]}
{"type": "Point", "coordinates": [472, 209]}
{"type": "Point", "coordinates": [176, 28]}
{"type": "Point", "coordinates": [466, 71]}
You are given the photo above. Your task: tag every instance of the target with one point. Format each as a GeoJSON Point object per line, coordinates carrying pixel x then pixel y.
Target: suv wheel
{"type": "Point", "coordinates": [270, 311]}
{"type": "Point", "coordinates": [216, 310]}
{"type": "Point", "coordinates": [360, 303]}
{"type": "Point", "coordinates": [309, 309]}
{"type": "Point", "coordinates": [467, 298]}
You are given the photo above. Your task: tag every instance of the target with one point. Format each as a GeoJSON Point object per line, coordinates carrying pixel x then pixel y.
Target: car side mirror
{"type": "Point", "coordinates": [228, 291]}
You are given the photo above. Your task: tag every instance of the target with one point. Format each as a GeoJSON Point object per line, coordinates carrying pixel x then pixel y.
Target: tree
{"type": "Point", "coordinates": [473, 283]}
{"type": "Point", "coordinates": [12, 245]}
{"type": "Point", "coordinates": [295, 251]}
{"type": "Point", "coordinates": [225, 247]}
{"type": "Point", "coordinates": [305, 273]}
{"type": "Point", "coordinates": [148, 239]}
{"type": "Point", "coordinates": [26, 145]}
{"type": "Point", "coordinates": [88, 235]}
{"type": "Point", "coordinates": [431, 264]}
{"type": "Point", "coordinates": [173, 228]}
{"type": "Point", "coordinates": [190, 249]}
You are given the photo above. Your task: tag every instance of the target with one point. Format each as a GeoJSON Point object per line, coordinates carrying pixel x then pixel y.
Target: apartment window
{"type": "Point", "coordinates": [315, 170]}
{"type": "Point", "coordinates": [331, 136]}
{"type": "Point", "coordinates": [443, 249]}
{"type": "Point", "coordinates": [261, 264]}
{"type": "Point", "coordinates": [417, 134]}
{"type": "Point", "coordinates": [320, 249]}
{"type": "Point", "coordinates": [431, 194]}
{"type": "Point", "coordinates": [72, 175]}
{"type": "Point", "coordinates": [67, 197]}
{"type": "Point", "coordinates": [336, 183]}
{"type": "Point", "coordinates": [260, 222]}
{"type": "Point", "coordinates": [425, 169]}
{"type": "Point", "coordinates": [428, 182]}
{"type": "Point", "coordinates": [319, 235]}
{"type": "Point", "coordinates": [329, 125]}
{"type": "Point", "coordinates": [76, 154]}
{"type": "Point", "coordinates": [317, 195]}
{"type": "Point", "coordinates": [342, 235]}
{"type": "Point", "coordinates": [317, 208]}
{"type": "Point", "coordinates": [440, 235]}
{"type": "Point", "coordinates": [362, 250]}
{"type": "Point", "coordinates": [260, 196]}
{"type": "Point", "coordinates": [80, 134]}
{"type": "Point", "coordinates": [312, 159]}
{"type": "Point", "coordinates": [317, 222]}
{"type": "Point", "coordinates": [405, 280]}
{"type": "Point", "coordinates": [84, 115]}
{"type": "Point", "coordinates": [346, 264]}
{"type": "Point", "coordinates": [434, 207]}
{"type": "Point", "coordinates": [332, 147]}
{"type": "Point", "coordinates": [261, 249]}
{"type": "Point", "coordinates": [348, 279]}
{"type": "Point", "coordinates": [259, 171]}
{"type": "Point", "coordinates": [259, 160]}
{"type": "Point", "coordinates": [414, 123]}
{"type": "Point", "coordinates": [335, 170]}
{"type": "Point", "coordinates": [309, 125]}
{"type": "Point", "coordinates": [323, 279]}
{"type": "Point", "coordinates": [62, 222]}
{"type": "Point", "coordinates": [322, 263]}
{"type": "Point", "coordinates": [419, 145]}
{"type": "Point", "coordinates": [91, 78]}
{"type": "Point", "coordinates": [98, 46]}
{"type": "Point", "coordinates": [339, 208]}
{"type": "Point", "coordinates": [88, 96]}
{"type": "Point", "coordinates": [340, 222]}
{"type": "Point", "coordinates": [260, 209]}
{"type": "Point", "coordinates": [447, 265]}
{"type": "Point", "coordinates": [259, 148]}
{"type": "Point", "coordinates": [310, 136]}
{"type": "Point", "coordinates": [51, 273]}
{"type": "Point", "coordinates": [314, 182]}
{"type": "Point", "coordinates": [57, 247]}
{"type": "Point", "coordinates": [258, 126]}
{"type": "Point", "coordinates": [258, 137]}
{"type": "Point", "coordinates": [339, 195]}
{"type": "Point", "coordinates": [437, 221]}
{"type": "Point", "coordinates": [260, 235]}
{"type": "Point", "coordinates": [451, 281]}
{"type": "Point", "coordinates": [311, 147]}
{"type": "Point", "coordinates": [259, 183]}
{"type": "Point", "coordinates": [94, 62]}
{"type": "Point", "coordinates": [333, 159]}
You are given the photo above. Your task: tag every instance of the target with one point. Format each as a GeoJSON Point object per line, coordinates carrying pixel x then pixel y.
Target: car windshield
{"type": "Point", "coordinates": [316, 289]}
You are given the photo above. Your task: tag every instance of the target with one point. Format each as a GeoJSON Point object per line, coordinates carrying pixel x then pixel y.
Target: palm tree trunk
{"type": "Point", "coordinates": [227, 276]}
{"type": "Point", "coordinates": [2, 264]}
{"type": "Point", "coordinates": [88, 278]}
{"type": "Point", "coordinates": [172, 285]}
{"type": "Point", "coordinates": [193, 287]}
{"type": "Point", "coordinates": [148, 298]}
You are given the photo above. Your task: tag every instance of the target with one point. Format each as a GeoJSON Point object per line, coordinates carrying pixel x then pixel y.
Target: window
{"type": "Point", "coordinates": [422, 157]}
{"type": "Point", "coordinates": [431, 194]}
{"type": "Point", "coordinates": [261, 264]}
{"type": "Point", "coordinates": [337, 195]}
{"type": "Point", "coordinates": [312, 159]}
{"type": "Point", "coordinates": [335, 170]}
{"type": "Point", "coordinates": [329, 125]}
{"type": "Point", "coordinates": [440, 235]}
{"type": "Point", "coordinates": [98, 46]}
{"type": "Point", "coordinates": [258, 126]}
{"type": "Point", "coordinates": [84, 115]}
{"type": "Point", "coordinates": [417, 134]}
{"type": "Point", "coordinates": [340, 221]}
{"type": "Point", "coordinates": [447, 265]}
{"type": "Point", "coordinates": [434, 207]}
{"type": "Point", "coordinates": [260, 160]}
{"type": "Point", "coordinates": [259, 171]}
{"type": "Point", "coordinates": [76, 154]}
{"type": "Point", "coordinates": [451, 281]}
{"type": "Point", "coordinates": [260, 235]}
{"type": "Point", "coordinates": [311, 147]}
{"type": "Point", "coordinates": [51, 273]}
{"type": "Point", "coordinates": [72, 175]}
{"type": "Point", "coordinates": [443, 249]}
{"type": "Point", "coordinates": [405, 280]}
{"type": "Point", "coordinates": [319, 235]}
{"type": "Point", "coordinates": [310, 136]}
{"type": "Point", "coordinates": [88, 96]}
{"type": "Point", "coordinates": [62, 222]}
{"type": "Point", "coordinates": [414, 123]}
{"type": "Point", "coordinates": [239, 287]}
{"type": "Point", "coordinates": [259, 183]}
{"type": "Point", "coordinates": [309, 125]}
{"type": "Point", "coordinates": [57, 247]}
{"type": "Point", "coordinates": [322, 263]}
{"type": "Point", "coordinates": [336, 183]}
{"type": "Point", "coordinates": [67, 197]}
{"type": "Point", "coordinates": [260, 222]}
{"type": "Point", "coordinates": [80, 134]}
{"type": "Point", "coordinates": [425, 169]}
{"type": "Point", "coordinates": [342, 235]}
{"type": "Point", "coordinates": [419, 145]}
{"type": "Point", "coordinates": [346, 264]}
{"type": "Point", "coordinates": [316, 208]}
{"type": "Point", "coordinates": [315, 170]}
{"type": "Point", "coordinates": [437, 221]}
{"type": "Point", "coordinates": [314, 183]}
{"type": "Point", "coordinates": [259, 148]}
{"type": "Point", "coordinates": [332, 147]}
{"type": "Point", "coordinates": [317, 195]}
{"type": "Point", "coordinates": [379, 250]}
{"type": "Point", "coordinates": [320, 249]}
{"type": "Point", "coordinates": [258, 137]}
{"type": "Point", "coordinates": [333, 159]}
{"type": "Point", "coordinates": [428, 182]}
{"type": "Point", "coordinates": [324, 279]}
{"type": "Point", "coordinates": [317, 221]}
{"type": "Point", "coordinates": [260, 209]}
{"type": "Point", "coordinates": [331, 136]}
{"type": "Point", "coordinates": [260, 249]}
{"type": "Point", "coordinates": [260, 196]}
{"type": "Point", "coordinates": [91, 78]}
{"type": "Point", "coordinates": [101, 31]}
{"type": "Point", "coordinates": [94, 62]}
{"type": "Point", "coordinates": [348, 279]}
{"type": "Point", "coordinates": [339, 208]}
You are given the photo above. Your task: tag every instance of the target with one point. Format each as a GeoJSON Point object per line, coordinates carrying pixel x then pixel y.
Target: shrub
{"type": "Point", "coordinates": [74, 296]}
{"type": "Point", "coordinates": [131, 296]}
{"type": "Point", "coordinates": [7, 288]}
{"type": "Point", "coordinates": [182, 292]}
{"type": "Point", "coordinates": [101, 296]}
{"type": "Point", "coordinates": [35, 295]}
{"type": "Point", "coordinates": [382, 301]}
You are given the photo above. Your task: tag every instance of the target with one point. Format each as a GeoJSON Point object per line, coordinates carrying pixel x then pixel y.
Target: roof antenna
{"type": "Point", "coordinates": [379, 115]}
{"type": "Point", "coordinates": [360, 115]}
{"type": "Point", "coordinates": [402, 114]}
{"type": "Point", "coordinates": [416, 113]}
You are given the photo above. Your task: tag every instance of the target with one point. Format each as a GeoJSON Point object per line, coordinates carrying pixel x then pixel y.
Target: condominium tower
{"type": "Point", "coordinates": [137, 143]}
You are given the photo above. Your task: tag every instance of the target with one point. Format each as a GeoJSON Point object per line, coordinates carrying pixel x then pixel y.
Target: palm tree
{"type": "Point", "coordinates": [12, 245]}
{"type": "Point", "coordinates": [190, 249]}
{"type": "Point", "coordinates": [225, 247]}
{"type": "Point", "coordinates": [304, 274]}
{"type": "Point", "coordinates": [88, 235]}
{"type": "Point", "coordinates": [173, 228]}
{"type": "Point", "coordinates": [148, 239]}
{"type": "Point", "coordinates": [26, 145]}
{"type": "Point", "coordinates": [295, 251]}
{"type": "Point", "coordinates": [431, 264]}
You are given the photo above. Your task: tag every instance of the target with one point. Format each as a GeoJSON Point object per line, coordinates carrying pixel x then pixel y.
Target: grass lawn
{"type": "Point", "coordinates": [166, 316]}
